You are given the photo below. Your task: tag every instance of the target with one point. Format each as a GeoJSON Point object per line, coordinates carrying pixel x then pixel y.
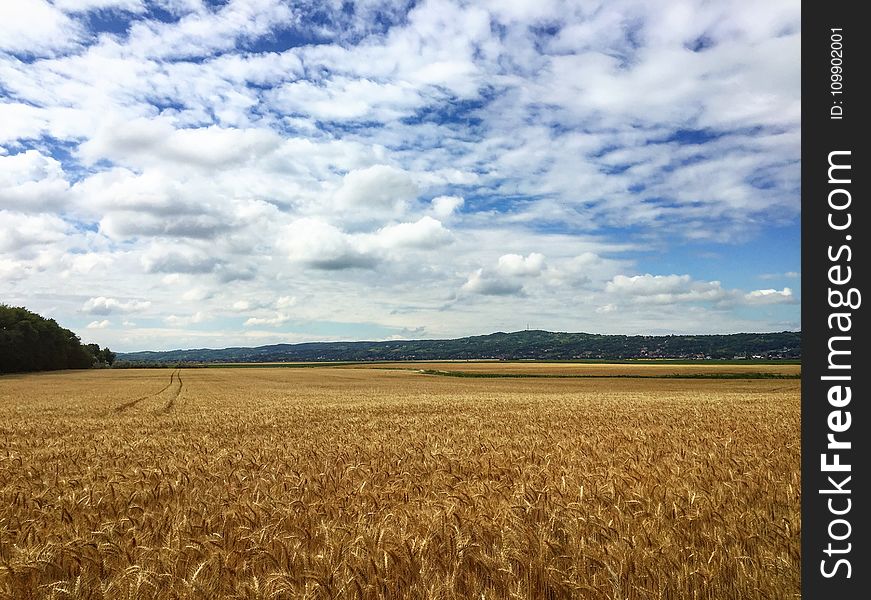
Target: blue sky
{"type": "Point", "coordinates": [181, 173]}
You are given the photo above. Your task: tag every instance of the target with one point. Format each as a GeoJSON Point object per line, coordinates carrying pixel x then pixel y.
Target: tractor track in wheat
{"type": "Point", "coordinates": [172, 400]}
{"type": "Point", "coordinates": [131, 403]}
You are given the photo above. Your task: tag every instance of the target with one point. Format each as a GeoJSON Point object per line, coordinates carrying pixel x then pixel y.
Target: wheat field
{"type": "Point", "coordinates": [364, 483]}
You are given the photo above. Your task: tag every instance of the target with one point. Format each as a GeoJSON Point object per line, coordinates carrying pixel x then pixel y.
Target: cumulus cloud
{"type": "Point", "coordinates": [89, 263]}
{"type": "Point", "coordinates": [444, 206]}
{"type": "Point", "coordinates": [508, 277]}
{"type": "Point", "coordinates": [185, 320]}
{"type": "Point", "coordinates": [273, 321]}
{"type": "Point", "coordinates": [583, 270]}
{"type": "Point", "coordinates": [105, 306]}
{"type": "Point", "coordinates": [380, 188]}
{"type": "Point", "coordinates": [770, 296]}
{"type": "Point", "coordinates": [480, 282]}
{"type": "Point", "coordinates": [31, 182]}
{"type": "Point", "coordinates": [512, 265]}
{"type": "Point", "coordinates": [648, 285]}
{"type": "Point", "coordinates": [678, 289]}
{"type": "Point", "coordinates": [144, 142]}
{"type": "Point", "coordinates": [36, 27]}
{"type": "Point", "coordinates": [424, 233]}
{"type": "Point", "coordinates": [156, 203]}
{"type": "Point", "coordinates": [23, 233]}
{"type": "Point", "coordinates": [665, 289]}
{"type": "Point", "coordinates": [99, 324]}
{"type": "Point", "coordinates": [319, 245]}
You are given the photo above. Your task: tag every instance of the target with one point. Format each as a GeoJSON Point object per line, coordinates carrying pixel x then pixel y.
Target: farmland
{"type": "Point", "coordinates": [385, 482]}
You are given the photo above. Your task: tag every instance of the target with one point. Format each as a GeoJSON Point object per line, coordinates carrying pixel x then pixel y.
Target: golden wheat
{"type": "Point", "coordinates": [371, 483]}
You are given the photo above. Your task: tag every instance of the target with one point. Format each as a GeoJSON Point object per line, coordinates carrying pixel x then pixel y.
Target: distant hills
{"type": "Point", "coordinates": [528, 345]}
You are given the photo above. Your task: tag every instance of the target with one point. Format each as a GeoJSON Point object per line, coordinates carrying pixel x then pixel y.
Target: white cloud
{"type": "Point", "coordinates": [21, 121]}
{"type": "Point", "coordinates": [584, 269]}
{"type": "Point", "coordinates": [677, 289]}
{"type": "Point", "coordinates": [517, 265]}
{"type": "Point", "coordinates": [648, 285]}
{"type": "Point", "coordinates": [508, 277]}
{"type": "Point", "coordinates": [23, 233]}
{"type": "Point", "coordinates": [84, 264]}
{"type": "Point", "coordinates": [285, 302]}
{"type": "Point", "coordinates": [770, 296]}
{"type": "Point", "coordinates": [36, 27]}
{"type": "Point", "coordinates": [197, 294]}
{"type": "Point", "coordinates": [379, 189]}
{"type": "Point", "coordinates": [665, 289]}
{"type": "Point", "coordinates": [12, 270]}
{"type": "Point", "coordinates": [426, 233]}
{"type": "Point", "coordinates": [31, 182]}
{"type": "Point", "coordinates": [105, 306]}
{"type": "Point", "coordinates": [348, 99]}
{"type": "Point", "coordinates": [145, 142]}
{"type": "Point", "coordinates": [319, 245]}
{"type": "Point", "coordinates": [274, 321]}
{"type": "Point", "coordinates": [184, 321]}
{"type": "Point", "coordinates": [99, 324]}
{"type": "Point", "coordinates": [444, 206]}
{"type": "Point", "coordinates": [480, 282]}
{"type": "Point", "coordinates": [201, 32]}
{"type": "Point", "coordinates": [80, 6]}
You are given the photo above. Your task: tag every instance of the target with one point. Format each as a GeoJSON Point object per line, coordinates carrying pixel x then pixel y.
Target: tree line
{"type": "Point", "coordinates": [30, 342]}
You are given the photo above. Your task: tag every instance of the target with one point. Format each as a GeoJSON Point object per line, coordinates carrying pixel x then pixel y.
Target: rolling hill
{"type": "Point", "coordinates": [528, 345]}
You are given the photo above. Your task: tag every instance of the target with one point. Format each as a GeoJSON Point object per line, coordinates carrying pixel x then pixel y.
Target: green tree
{"type": "Point", "coordinates": [30, 342]}
{"type": "Point", "coordinates": [107, 356]}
